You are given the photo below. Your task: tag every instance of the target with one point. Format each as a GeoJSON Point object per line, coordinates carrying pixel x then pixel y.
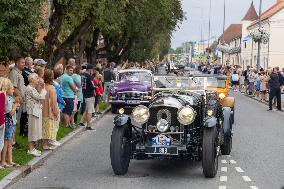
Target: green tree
{"type": "Point", "coordinates": [20, 20]}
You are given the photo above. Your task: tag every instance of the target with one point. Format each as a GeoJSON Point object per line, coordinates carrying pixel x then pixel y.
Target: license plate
{"type": "Point", "coordinates": [162, 150]}
{"type": "Point", "coordinates": [133, 102]}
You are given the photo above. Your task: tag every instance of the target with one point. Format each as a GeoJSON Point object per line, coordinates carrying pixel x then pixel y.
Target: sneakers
{"type": "Point", "coordinates": [35, 152]}
{"type": "Point", "coordinates": [82, 125]}
{"type": "Point", "coordinates": [90, 128]}
{"type": "Point", "coordinates": [54, 143]}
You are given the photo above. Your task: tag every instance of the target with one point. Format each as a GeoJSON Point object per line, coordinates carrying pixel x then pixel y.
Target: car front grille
{"type": "Point", "coordinates": [162, 112]}
{"type": "Point", "coordinates": [131, 95]}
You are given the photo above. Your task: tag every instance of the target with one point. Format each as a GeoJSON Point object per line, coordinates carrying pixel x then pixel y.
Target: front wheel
{"type": "Point", "coordinates": [209, 152]}
{"type": "Point", "coordinates": [120, 150]}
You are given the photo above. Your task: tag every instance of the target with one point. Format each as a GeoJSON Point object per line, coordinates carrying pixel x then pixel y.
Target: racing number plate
{"type": "Point", "coordinates": [162, 150]}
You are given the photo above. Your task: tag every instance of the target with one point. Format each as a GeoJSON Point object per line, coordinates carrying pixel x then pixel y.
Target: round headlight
{"type": "Point", "coordinates": [210, 113]}
{"type": "Point", "coordinates": [140, 114]}
{"type": "Point", "coordinates": [222, 96]}
{"type": "Point", "coordinates": [162, 125]}
{"type": "Point", "coordinates": [186, 115]}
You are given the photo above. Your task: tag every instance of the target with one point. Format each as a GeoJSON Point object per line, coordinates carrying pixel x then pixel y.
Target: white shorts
{"type": "Point", "coordinates": [90, 103]}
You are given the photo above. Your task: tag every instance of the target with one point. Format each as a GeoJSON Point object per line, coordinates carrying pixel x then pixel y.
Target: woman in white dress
{"type": "Point", "coordinates": [34, 110]}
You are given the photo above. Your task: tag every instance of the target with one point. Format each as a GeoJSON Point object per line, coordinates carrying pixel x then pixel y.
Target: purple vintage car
{"type": "Point", "coordinates": [131, 88]}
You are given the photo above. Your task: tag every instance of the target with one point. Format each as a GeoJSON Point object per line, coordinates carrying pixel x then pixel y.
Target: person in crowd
{"type": "Point", "coordinates": [274, 89]}
{"type": "Point", "coordinates": [71, 62]}
{"type": "Point", "coordinates": [60, 102]}
{"type": "Point", "coordinates": [251, 79]}
{"type": "Point", "coordinates": [246, 77]}
{"type": "Point", "coordinates": [98, 90]}
{"type": "Point", "coordinates": [28, 69]}
{"type": "Point", "coordinates": [257, 84]}
{"type": "Point", "coordinates": [68, 93]}
{"type": "Point", "coordinates": [88, 88]}
{"type": "Point", "coordinates": [34, 109]}
{"type": "Point", "coordinates": [77, 80]}
{"type": "Point", "coordinates": [50, 111]}
{"type": "Point", "coordinates": [263, 84]}
{"type": "Point", "coordinates": [40, 72]}
{"type": "Point", "coordinates": [109, 76]}
{"type": "Point", "coordinates": [18, 82]}
{"type": "Point", "coordinates": [3, 88]}
{"type": "Point", "coordinates": [40, 63]}
{"type": "Point", "coordinates": [235, 80]}
{"type": "Point", "coordinates": [11, 106]}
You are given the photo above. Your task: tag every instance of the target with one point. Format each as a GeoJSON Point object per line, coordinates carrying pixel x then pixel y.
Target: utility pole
{"type": "Point", "coordinates": [259, 42]}
{"type": "Point", "coordinates": [209, 23]}
{"type": "Point", "coordinates": [224, 23]}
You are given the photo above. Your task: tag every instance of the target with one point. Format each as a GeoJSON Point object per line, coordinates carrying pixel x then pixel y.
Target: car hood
{"type": "Point", "coordinates": [132, 86]}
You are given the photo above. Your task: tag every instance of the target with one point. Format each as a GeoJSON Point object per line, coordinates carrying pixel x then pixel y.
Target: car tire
{"type": "Point", "coordinates": [113, 109]}
{"type": "Point", "coordinates": [209, 152]}
{"type": "Point", "coordinates": [120, 150]}
{"type": "Point", "coordinates": [233, 116]}
{"type": "Point", "coordinates": [226, 148]}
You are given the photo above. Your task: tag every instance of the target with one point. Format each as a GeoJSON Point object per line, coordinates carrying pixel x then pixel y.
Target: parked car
{"type": "Point", "coordinates": [185, 120]}
{"type": "Point", "coordinates": [131, 88]}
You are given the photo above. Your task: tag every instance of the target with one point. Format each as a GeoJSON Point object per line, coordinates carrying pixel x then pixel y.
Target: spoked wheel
{"type": "Point", "coordinates": [210, 152]}
{"type": "Point", "coordinates": [120, 150]}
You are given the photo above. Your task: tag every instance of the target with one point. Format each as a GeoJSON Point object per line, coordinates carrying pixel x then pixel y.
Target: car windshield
{"type": "Point", "coordinates": [187, 83]}
{"type": "Point", "coordinates": [135, 76]}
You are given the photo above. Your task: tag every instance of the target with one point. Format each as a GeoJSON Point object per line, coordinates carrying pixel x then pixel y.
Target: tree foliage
{"type": "Point", "coordinates": [131, 29]}
{"type": "Point", "coordinates": [20, 20]}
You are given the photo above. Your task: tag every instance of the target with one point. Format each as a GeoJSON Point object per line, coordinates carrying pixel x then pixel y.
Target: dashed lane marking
{"type": "Point", "coordinates": [246, 179]}
{"type": "Point", "coordinates": [224, 169]}
{"type": "Point", "coordinates": [224, 161]}
{"type": "Point", "coordinates": [253, 187]}
{"type": "Point", "coordinates": [222, 187]}
{"type": "Point", "coordinates": [233, 162]}
{"type": "Point", "coordinates": [238, 169]}
{"type": "Point", "coordinates": [223, 178]}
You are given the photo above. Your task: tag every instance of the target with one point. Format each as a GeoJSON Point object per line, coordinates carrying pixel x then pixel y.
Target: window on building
{"type": "Point", "coordinates": [245, 45]}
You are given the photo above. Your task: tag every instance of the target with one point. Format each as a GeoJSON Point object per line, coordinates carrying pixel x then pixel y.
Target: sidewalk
{"type": "Point", "coordinates": [17, 174]}
{"type": "Point", "coordinates": [265, 102]}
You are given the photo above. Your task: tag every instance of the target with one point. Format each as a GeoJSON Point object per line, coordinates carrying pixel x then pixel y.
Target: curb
{"type": "Point", "coordinates": [36, 162]}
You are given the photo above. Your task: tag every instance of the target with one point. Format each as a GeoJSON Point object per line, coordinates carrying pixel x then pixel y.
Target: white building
{"type": "Point", "coordinates": [272, 54]}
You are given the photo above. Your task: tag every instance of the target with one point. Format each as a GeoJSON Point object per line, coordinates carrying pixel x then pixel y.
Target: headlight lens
{"type": "Point", "coordinates": [210, 113]}
{"type": "Point", "coordinates": [222, 96]}
{"type": "Point", "coordinates": [186, 115]}
{"type": "Point", "coordinates": [140, 114]}
{"type": "Point", "coordinates": [162, 125]}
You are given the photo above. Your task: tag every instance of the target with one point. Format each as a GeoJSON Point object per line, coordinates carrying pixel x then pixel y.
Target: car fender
{"type": "Point", "coordinates": [121, 120]}
{"type": "Point", "coordinates": [227, 123]}
{"type": "Point", "coordinates": [210, 122]}
{"type": "Point", "coordinates": [228, 102]}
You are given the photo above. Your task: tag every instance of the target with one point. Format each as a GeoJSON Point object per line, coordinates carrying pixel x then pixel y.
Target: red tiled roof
{"type": "Point", "coordinates": [232, 32]}
{"type": "Point", "coordinates": [270, 12]}
{"type": "Point", "coordinates": [251, 14]}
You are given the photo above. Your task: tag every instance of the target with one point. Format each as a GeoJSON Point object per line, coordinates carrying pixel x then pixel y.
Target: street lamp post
{"type": "Point", "coordinates": [259, 41]}
{"type": "Point", "coordinates": [209, 32]}
{"type": "Point", "coordinates": [224, 22]}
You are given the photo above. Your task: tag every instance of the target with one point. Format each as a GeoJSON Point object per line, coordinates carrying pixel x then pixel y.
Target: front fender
{"type": "Point", "coordinates": [227, 123]}
{"type": "Point", "coordinates": [210, 122]}
{"type": "Point", "coordinates": [121, 120]}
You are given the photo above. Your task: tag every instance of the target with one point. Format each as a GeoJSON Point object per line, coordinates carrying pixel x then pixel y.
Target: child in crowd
{"type": "Point", "coordinates": [98, 90]}
{"type": "Point", "coordinates": [11, 105]}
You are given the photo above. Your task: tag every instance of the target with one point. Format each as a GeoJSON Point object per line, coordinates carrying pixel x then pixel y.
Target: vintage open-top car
{"type": "Point", "coordinates": [184, 120]}
{"type": "Point", "coordinates": [131, 88]}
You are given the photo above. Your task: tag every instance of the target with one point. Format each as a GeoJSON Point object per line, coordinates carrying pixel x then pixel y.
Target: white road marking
{"type": "Point", "coordinates": [223, 178]}
{"type": "Point", "coordinates": [224, 161]}
{"type": "Point", "coordinates": [222, 187]}
{"type": "Point", "coordinates": [238, 169]}
{"type": "Point", "coordinates": [224, 169]}
{"type": "Point", "coordinates": [246, 179]}
{"type": "Point", "coordinates": [233, 162]}
{"type": "Point", "coordinates": [253, 187]}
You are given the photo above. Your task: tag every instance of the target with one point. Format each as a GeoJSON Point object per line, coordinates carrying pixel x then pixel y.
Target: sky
{"type": "Point", "coordinates": [197, 15]}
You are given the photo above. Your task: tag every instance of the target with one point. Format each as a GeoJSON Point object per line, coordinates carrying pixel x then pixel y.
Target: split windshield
{"type": "Point", "coordinates": [134, 76]}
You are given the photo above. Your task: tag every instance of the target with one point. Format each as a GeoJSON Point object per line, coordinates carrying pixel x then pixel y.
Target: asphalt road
{"type": "Point", "coordinates": [256, 160]}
